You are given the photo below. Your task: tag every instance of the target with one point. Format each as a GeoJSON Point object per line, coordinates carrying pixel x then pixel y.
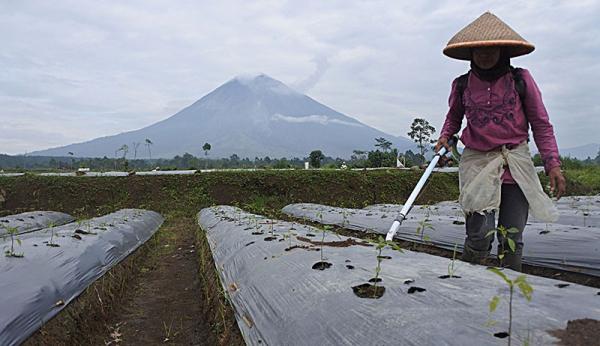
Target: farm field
{"type": "Point", "coordinates": [168, 290]}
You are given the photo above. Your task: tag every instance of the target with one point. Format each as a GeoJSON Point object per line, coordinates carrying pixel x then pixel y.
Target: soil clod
{"type": "Point", "coordinates": [584, 331]}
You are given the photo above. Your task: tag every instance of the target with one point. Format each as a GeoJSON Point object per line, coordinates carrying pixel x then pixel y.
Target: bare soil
{"type": "Point", "coordinates": [166, 306]}
{"type": "Point", "coordinates": [583, 332]}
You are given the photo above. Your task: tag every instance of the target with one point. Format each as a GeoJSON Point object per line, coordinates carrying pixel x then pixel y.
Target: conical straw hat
{"type": "Point", "coordinates": [485, 31]}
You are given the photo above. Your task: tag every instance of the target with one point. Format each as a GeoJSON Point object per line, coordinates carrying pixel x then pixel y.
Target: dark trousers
{"type": "Point", "coordinates": [514, 210]}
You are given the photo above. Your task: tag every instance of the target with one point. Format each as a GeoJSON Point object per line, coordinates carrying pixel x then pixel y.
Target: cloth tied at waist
{"type": "Point", "coordinates": [480, 175]}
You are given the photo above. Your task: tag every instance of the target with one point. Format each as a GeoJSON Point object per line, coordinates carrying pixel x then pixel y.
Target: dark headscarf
{"type": "Point", "coordinates": [501, 68]}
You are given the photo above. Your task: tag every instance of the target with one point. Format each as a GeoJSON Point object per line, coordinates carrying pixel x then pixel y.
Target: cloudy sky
{"type": "Point", "coordinates": [73, 70]}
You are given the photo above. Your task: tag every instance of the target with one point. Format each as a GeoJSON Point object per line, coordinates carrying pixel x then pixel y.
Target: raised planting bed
{"type": "Point", "coordinates": [566, 245]}
{"type": "Point", "coordinates": [51, 267]}
{"type": "Point", "coordinates": [32, 221]}
{"type": "Point", "coordinates": [293, 284]}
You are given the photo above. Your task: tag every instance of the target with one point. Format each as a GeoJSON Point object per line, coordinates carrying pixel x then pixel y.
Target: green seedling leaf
{"type": "Point", "coordinates": [513, 230]}
{"type": "Point", "coordinates": [494, 303]}
{"type": "Point", "coordinates": [501, 274]}
{"type": "Point", "coordinates": [490, 233]}
{"type": "Point", "coordinates": [511, 244]}
{"type": "Point", "coordinates": [524, 287]}
{"type": "Point", "coordinates": [501, 256]}
{"type": "Point", "coordinates": [18, 241]}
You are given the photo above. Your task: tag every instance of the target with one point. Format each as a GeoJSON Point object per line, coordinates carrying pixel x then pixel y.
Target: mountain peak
{"type": "Point", "coordinates": [262, 83]}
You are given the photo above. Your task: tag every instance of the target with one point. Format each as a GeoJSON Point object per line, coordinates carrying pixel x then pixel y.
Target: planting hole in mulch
{"type": "Point", "coordinates": [584, 331]}
{"type": "Point", "coordinates": [300, 247]}
{"type": "Point", "coordinates": [270, 238]}
{"type": "Point", "coordinates": [76, 236]}
{"type": "Point", "coordinates": [373, 280]}
{"type": "Point", "coordinates": [53, 245]}
{"type": "Point", "coordinates": [562, 285]}
{"type": "Point", "coordinates": [347, 261]}
{"type": "Point", "coordinates": [369, 291]}
{"type": "Point", "coordinates": [544, 232]}
{"type": "Point", "coordinates": [321, 265]}
{"type": "Point", "coordinates": [449, 277]}
{"type": "Point", "coordinates": [501, 335]}
{"type": "Point", "coordinates": [80, 231]}
{"type": "Point", "coordinates": [384, 257]}
{"type": "Point", "coordinates": [408, 281]}
{"type": "Point", "coordinates": [349, 266]}
{"type": "Point", "coordinates": [456, 222]}
{"type": "Point", "coordinates": [414, 289]}
{"type": "Point", "coordinates": [250, 243]}
{"type": "Point", "coordinates": [258, 233]}
{"type": "Point", "coordinates": [310, 235]}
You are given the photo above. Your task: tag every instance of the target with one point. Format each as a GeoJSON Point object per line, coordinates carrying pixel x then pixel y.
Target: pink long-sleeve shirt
{"type": "Point", "coordinates": [496, 117]}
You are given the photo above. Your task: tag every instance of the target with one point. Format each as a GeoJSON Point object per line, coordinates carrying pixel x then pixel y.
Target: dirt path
{"type": "Point", "coordinates": [165, 306]}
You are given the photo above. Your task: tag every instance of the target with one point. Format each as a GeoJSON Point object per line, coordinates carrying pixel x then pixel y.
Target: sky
{"type": "Point", "coordinates": [74, 70]}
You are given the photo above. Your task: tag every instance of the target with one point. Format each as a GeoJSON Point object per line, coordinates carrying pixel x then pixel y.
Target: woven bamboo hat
{"type": "Point", "coordinates": [487, 31]}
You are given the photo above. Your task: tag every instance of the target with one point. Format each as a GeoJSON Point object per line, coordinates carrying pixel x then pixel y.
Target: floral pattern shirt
{"type": "Point", "coordinates": [497, 116]}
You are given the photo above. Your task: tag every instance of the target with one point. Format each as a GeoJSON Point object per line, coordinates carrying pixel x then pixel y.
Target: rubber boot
{"type": "Point", "coordinates": [513, 261]}
{"type": "Point", "coordinates": [473, 256]}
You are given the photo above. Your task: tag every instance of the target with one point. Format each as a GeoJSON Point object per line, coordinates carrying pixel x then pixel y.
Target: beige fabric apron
{"type": "Point", "coordinates": [480, 175]}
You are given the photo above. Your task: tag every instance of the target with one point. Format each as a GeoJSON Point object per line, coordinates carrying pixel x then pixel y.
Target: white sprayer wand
{"type": "Point", "coordinates": [411, 199]}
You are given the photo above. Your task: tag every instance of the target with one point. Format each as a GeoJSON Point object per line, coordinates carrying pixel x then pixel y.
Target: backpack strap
{"type": "Point", "coordinates": [461, 85]}
{"type": "Point", "coordinates": [519, 82]}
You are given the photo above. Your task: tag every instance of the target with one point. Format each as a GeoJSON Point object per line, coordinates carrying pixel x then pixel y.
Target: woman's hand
{"type": "Point", "coordinates": [558, 183]}
{"type": "Point", "coordinates": [442, 142]}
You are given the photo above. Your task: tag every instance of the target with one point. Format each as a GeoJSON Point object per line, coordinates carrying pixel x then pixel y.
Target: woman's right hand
{"type": "Point", "coordinates": [442, 142]}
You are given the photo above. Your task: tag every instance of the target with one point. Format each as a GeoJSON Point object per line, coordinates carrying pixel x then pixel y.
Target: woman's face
{"type": "Point", "coordinates": [486, 57]}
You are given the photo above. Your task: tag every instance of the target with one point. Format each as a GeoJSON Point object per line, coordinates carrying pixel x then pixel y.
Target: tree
{"type": "Point", "coordinates": [72, 160]}
{"type": "Point", "coordinates": [420, 132]}
{"type": "Point", "coordinates": [206, 147]}
{"type": "Point", "coordinates": [315, 157]}
{"type": "Point", "coordinates": [383, 143]}
{"type": "Point", "coordinates": [148, 144]}
{"type": "Point", "coordinates": [135, 148]}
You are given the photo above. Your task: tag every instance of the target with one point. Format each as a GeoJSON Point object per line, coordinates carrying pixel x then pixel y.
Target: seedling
{"type": "Point", "coordinates": [525, 289]}
{"type": "Point", "coordinates": [344, 217]}
{"type": "Point", "coordinates": [13, 232]}
{"type": "Point", "coordinates": [51, 243]}
{"type": "Point", "coordinates": [451, 266]}
{"type": "Point", "coordinates": [504, 232]}
{"type": "Point", "coordinates": [380, 244]}
{"type": "Point", "coordinates": [373, 291]}
{"type": "Point", "coordinates": [423, 226]}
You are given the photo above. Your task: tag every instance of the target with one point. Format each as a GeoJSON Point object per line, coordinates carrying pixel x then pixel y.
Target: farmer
{"type": "Point", "coordinates": [496, 172]}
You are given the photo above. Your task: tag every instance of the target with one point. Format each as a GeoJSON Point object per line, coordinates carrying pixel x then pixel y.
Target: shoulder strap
{"type": "Point", "coordinates": [519, 82]}
{"type": "Point", "coordinates": [461, 85]}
